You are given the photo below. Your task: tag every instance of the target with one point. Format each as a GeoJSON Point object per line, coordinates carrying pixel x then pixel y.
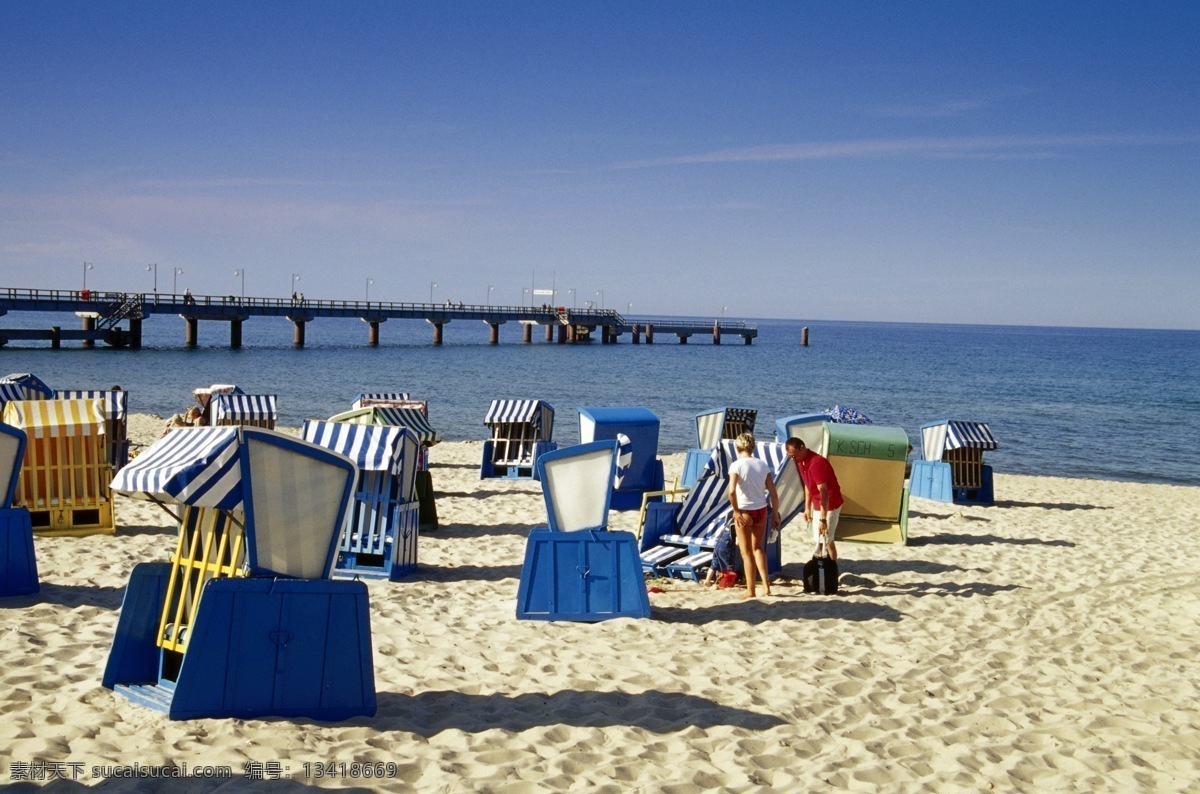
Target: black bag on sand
{"type": "Point", "coordinates": [821, 572]}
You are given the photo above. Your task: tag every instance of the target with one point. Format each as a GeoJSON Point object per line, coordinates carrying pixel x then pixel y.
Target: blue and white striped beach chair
{"type": "Point", "coordinates": [952, 467]}
{"type": "Point", "coordinates": [678, 537]}
{"type": "Point", "coordinates": [243, 410]}
{"type": "Point", "coordinates": [380, 535]}
{"type": "Point", "coordinates": [521, 433]}
{"type": "Point", "coordinates": [414, 415]}
{"type": "Point", "coordinates": [712, 426]}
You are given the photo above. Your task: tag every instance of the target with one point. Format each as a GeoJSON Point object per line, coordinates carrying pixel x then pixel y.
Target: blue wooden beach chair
{"type": "Point", "coordinates": [952, 467]}
{"type": "Point", "coordinates": [379, 539]}
{"type": "Point", "coordinates": [244, 621]}
{"type": "Point", "coordinates": [575, 569]}
{"type": "Point", "coordinates": [677, 538]}
{"type": "Point", "coordinates": [18, 565]}
{"type": "Point", "coordinates": [640, 426]}
{"type": "Point", "coordinates": [521, 432]}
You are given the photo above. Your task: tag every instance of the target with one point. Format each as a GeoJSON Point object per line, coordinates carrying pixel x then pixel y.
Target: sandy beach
{"type": "Point", "coordinates": [1046, 643]}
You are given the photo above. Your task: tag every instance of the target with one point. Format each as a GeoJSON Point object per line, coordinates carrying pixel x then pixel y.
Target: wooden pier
{"type": "Point", "coordinates": [115, 318]}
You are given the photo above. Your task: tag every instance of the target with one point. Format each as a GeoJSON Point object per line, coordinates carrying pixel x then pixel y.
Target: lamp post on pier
{"type": "Point", "coordinates": [154, 268]}
{"type": "Point", "coordinates": [176, 273]}
{"type": "Point", "coordinates": [370, 281]}
{"type": "Point", "coordinates": [86, 267]}
{"type": "Point", "coordinates": [241, 273]}
{"type": "Point", "coordinates": [600, 292]}
{"type": "Point", "coordinates": [490, 290]}
{"type": "Point", "coordinates": [432, 285]}
{"type": "Point", "coordinates": [292, 285]}
{"type": "Point", "coordinates": [574, 296]}
{"type": "Point", "coordinates": [525, 290]}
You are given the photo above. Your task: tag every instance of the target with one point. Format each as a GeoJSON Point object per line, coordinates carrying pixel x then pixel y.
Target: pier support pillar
{"type": "Point", "coordinates": [649, 333]}
{"type": "Point", "coordinates": [749, 339]}
{"type": "Point", "coordinates": [493, 333]}
{"type": "Point", "coordinates": [55, 337]}
{"type": "Point", "coordinates": [527, 333]}
{"type": "Point", "coordinates": [562, 334]}
{"type": "Point", "coordinates": [437, 332]}
{"type": "Point", "coordinates": [373, 333]}
{"type": "Point", "coordinates": [135, 333]}
{"type": "Point", "coordinates": [804, 336]}
{"type": "Point", "coordinates": [549, 333]}
{"type": "Point", "coordinates": [190, 331]}
{"type": "Point", "coordinates": [89, 324]}
{"type": "Point", "coordinates": [683, 338]}
{"type": "Point", "coordinates": [235, 334]}
{"type": "Point", "coordinates": [298, 332]}
{"type": "Point", "coordinates": [716, 333]}
{"type": "Point", "coordinates": [637, 335]}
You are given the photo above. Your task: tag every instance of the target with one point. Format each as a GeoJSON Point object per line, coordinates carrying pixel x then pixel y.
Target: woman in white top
{"type": "Point", "coordinates": [753, 496]}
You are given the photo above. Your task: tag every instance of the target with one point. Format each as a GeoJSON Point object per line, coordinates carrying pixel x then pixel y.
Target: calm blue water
{"type": "Point", "coordinates": [1100, 403]}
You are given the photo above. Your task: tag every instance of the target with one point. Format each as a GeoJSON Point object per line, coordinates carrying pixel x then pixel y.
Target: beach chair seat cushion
{"type": "Point", "coordinates": [692, 566]}
{"type": "Point", "coordinates": [656, 559]}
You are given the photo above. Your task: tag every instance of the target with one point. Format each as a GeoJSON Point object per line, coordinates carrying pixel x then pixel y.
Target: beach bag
{"type": "Point", "coordinates": [821, 572]}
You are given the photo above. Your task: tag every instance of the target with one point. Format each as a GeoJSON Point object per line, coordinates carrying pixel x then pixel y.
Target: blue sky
{"type": "Point", "coordinates": [1012, 163]}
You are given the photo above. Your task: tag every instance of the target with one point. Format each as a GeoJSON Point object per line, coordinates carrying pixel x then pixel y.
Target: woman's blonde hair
{"type": "Point", "coordinates": [744, 443]}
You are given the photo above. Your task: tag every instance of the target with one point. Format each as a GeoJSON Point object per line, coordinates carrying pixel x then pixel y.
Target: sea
{"type": "Point", "coordinates": [1111, 404]}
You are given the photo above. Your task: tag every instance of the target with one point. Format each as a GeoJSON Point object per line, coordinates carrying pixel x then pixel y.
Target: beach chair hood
{"type": "Point", "coordinates": [371, 447]}
{"type": "Point", "coordinates": [294, 494]}
{"type": "Point", "coordinates": [56, 418]}
{"type": "Point", "coordinates": [939, 437]}
{"type": "Point", "coordinates": [24, 386]}
{"type": "Point", "coordinates": [576, 485]}
{"type": "Point", "coordinates": [712, 425]}
{"type": "Point", "coordinates": [537, 413]}
{"type": "Point", "coordinates": [412, 418]}
{"type": "Point", "coordinates": [115, 401]}
{"type": "Point", "coordinates": [227, 408]}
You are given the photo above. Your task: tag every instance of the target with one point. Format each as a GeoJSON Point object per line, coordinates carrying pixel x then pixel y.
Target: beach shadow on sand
{"type": "Point", "coordinates": [851, 584]}
{"type": "Point", "coordinates": [1051, 505]}
{"type": "Point", "coordinates": [460, 530]}
{"type": "Point", "coordinates": [790, 603]}
{"type": "Point", "coordinates": [68, 595]}
{"type": "Point", "coordinates": [946, 539]}
{"type": "Point", "coordinates": [480, 494]}
{"type": "Point", "coordinates": [430, 713]}
{"type": "Point", "coordinates": [466, 573]}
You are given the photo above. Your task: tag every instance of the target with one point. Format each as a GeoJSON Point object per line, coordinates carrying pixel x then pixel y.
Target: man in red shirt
{"type": "Point", "coordinates": [823, 495]}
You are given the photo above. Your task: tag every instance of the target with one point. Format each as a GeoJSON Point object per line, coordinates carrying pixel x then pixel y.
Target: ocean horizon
{"type": "Point", "coordinates": [1105, 403]}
